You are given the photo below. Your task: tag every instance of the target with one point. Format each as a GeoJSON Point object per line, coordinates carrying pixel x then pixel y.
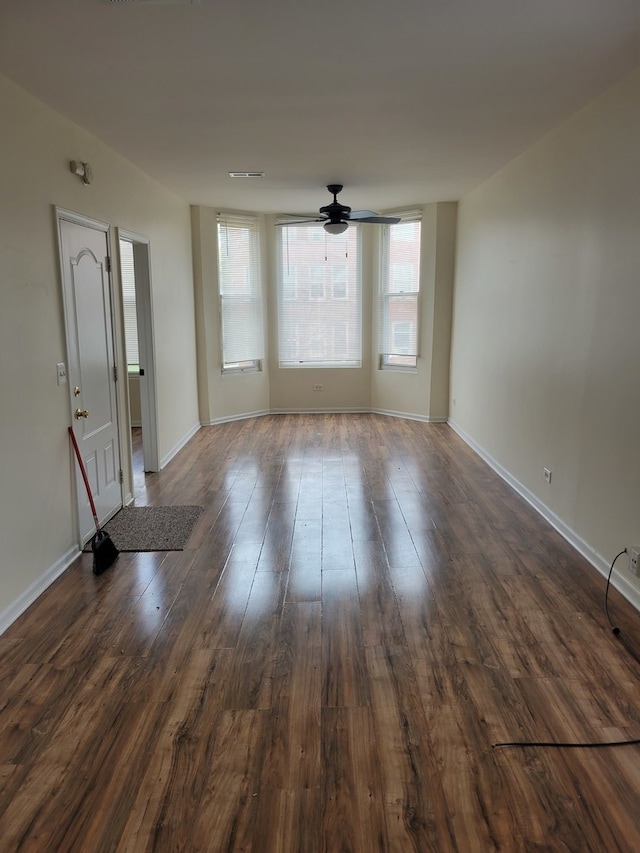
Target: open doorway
{"type": "Point", "coordinates": [135, 278]}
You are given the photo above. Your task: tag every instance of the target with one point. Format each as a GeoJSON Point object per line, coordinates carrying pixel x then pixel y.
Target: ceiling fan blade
{"type": "Point", "coordinates": [298, 221]}
{"type": "Point", "coordinates": [370, 216]}
{"type": "Point", "coordinates": [302, 215]}
{"type": "Point", "coordinates": [362, 214]}
{"type": "Point", "coordinates": [336, 213]}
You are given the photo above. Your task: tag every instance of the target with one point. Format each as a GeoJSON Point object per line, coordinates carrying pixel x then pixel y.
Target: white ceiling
{"type": "Point", "coordinates": [402, 101]}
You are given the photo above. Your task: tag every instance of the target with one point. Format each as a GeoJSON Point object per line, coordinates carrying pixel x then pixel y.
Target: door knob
{"type": "Point", "coordinates": [81, 413]}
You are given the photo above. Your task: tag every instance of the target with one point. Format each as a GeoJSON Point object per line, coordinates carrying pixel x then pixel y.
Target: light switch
{"type": "Point", "coordinates": [62, 373]}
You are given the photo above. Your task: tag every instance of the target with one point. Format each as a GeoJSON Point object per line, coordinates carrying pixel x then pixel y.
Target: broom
{"type": "Point", "coordinates": [105, 552]}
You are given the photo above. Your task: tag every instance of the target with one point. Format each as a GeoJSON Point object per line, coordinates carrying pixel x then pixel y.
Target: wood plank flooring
{"type": "Point", "coordinates": [362, 611]}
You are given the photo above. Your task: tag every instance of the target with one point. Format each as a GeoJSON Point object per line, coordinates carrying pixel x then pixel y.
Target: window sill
{"type": "Point", "coordinates": [320, 366]}
{"type": "Point", "coordinates": [398, 368]}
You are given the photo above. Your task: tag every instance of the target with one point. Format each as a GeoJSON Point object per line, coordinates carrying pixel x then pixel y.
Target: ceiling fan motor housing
{"type": "Point", "coordinates": [335, 217]}
{"type": "Point", "coordinates": [335, 211]}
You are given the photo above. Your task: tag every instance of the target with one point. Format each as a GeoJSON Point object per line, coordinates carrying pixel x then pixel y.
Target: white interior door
{"type": "Point", "coordinates": [84, 256]}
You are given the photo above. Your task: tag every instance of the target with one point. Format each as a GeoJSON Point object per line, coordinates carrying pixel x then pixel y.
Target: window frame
{"type": "Point", "coordinates": [253, 296]}
{"type": "Point", "coordinates": [292, 241]}
{"type": "Point", "coordinates": [408, 361]}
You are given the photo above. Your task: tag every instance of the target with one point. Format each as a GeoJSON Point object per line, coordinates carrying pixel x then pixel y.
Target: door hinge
{"type": "Point", "coordinates": [115, 372]}
{"type": "Point", "coordinates": [121, 477]}
{"type": "Point", "coordinates": [107, 263]}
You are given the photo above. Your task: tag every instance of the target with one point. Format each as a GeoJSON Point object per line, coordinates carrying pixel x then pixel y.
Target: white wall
{"type": "Point", "coordinates": [36, 498]}
{"type": "Point", "coordinates": [545, 361]}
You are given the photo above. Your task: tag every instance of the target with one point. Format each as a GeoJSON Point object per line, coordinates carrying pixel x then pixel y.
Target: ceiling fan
{"type": "Point", "coordinates": [336, 217]}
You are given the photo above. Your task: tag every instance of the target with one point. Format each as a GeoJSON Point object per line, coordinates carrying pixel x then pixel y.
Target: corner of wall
{"type": "Point", "coordinates": [202, 263]}
{"type": "Point", "coordinates": [444, 277]}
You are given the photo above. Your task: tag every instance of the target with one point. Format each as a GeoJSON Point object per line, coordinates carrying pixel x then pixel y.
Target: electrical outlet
{"type": "Point", "coordinates": [318, 387]}
{"type": "Point", "coordinates": [634, 560]}
{"type": "Point", "coordinates": [61, 372]}
{"type": "Point", "coordinates": [547, 474]}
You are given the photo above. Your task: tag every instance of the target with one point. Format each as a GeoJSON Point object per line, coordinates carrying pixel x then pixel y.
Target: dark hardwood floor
{"type": "Point", "coordinates": [363, 610]}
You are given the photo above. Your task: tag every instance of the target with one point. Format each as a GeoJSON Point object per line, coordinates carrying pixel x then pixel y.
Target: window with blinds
{"type": "Point", "coordinates": [128, 284]}
{"type": "Point", "coordinates": [239, 291]}
{"type": "Point", "coordinates": [319, 297]}
{"type": "Point", "coordinates": [398, 327]}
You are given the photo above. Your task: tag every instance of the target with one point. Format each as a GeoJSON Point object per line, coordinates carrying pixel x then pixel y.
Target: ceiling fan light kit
{"type": "Point", "coordinates": [336, 227]}
{"type": "Point", "coordinates": [335, 217]}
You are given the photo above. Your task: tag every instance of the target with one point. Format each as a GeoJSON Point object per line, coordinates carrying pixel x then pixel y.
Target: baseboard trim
{"type": "Point", "coordinates": [244, 416]}
{"type": "Point", "coordinates": [27, 598]}
{"type": "Point", "coordinates": [178, 447]}
{"type": "Point", "coordinates": [624, 586]}
{"type": "Point", "coordinates": [409, 416]}
{"type": "Point", "coordinates": [335, 410]}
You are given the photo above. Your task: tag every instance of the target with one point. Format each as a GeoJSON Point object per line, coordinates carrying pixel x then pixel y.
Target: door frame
{"type": "Point", "coordinates": [62, 215]}
{"type": "Point", "coordinates": [146, 345]}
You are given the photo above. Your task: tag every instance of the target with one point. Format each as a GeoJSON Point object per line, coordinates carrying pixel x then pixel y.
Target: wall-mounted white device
{"type": "Point", "coordinates": [83, 170]}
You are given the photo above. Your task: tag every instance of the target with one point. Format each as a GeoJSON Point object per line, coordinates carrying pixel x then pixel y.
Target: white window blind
{"type": "Point", "coordinates": [319, 297]}
{"type": "Point", "coordinates": [399, 293]}
{"type": "Point", "coordinates": [240, 293]}
{"type": "Point", "coordinates": [128, 283]}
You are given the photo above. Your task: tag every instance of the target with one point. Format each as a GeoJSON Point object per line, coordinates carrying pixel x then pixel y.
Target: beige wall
{"type": "Point", "coordinates": [36, 499]}
{"type": "Point", "coordinates": [546, 350]}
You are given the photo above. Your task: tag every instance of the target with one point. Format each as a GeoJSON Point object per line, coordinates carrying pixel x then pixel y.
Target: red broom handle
{"type": "Point", "coordinates": [84, 477]}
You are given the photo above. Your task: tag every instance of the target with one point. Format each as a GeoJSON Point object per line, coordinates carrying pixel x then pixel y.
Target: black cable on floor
{"type": "Point", "coordinates": [596, 745]}
{"type": "Point", "coordinates": [568, 745]}
{"type": "Point", "coordinates": [615, 630]}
